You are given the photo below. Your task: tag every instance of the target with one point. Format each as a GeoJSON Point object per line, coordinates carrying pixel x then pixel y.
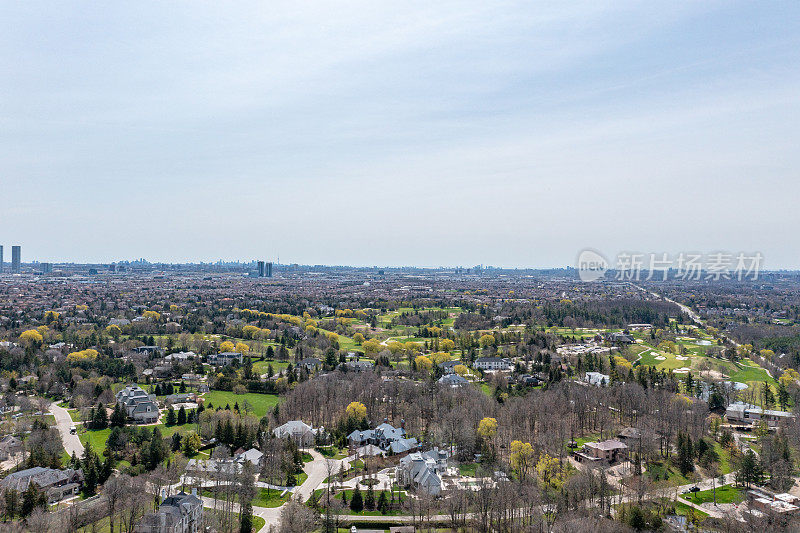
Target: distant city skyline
{"type": "Point", "coordinates": [427, 134]}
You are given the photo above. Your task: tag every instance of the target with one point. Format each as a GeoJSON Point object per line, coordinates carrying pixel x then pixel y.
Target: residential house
{"type": "Point", "coordinates": [57, 484]}
{"type": "Point", "coordinates": [225, 358]}
{"type": "Point", "coordinates": [742, 413]}
{"type": "Point", "coordinates": [386, 437]}
{"type": "Point", "coordinates": [181, 513]}
{"type": "Point", "coordinates": [310, 364]}
{"type": "Point", "coordinates": [449, 366]}
{"type": "Point", "coordinates": [9, 447]}
{"type": "Point", "coordinates": [422, 471]}
{"type": "Point", "coordinates": [297, 430]}
{"type": "Point", "coordinates": [360, 365]}
{"type": "Point", "coordinates": [620, 338]}
{"type": "Point", "coordinates": [597, 379]}
{"type": "Point", "coordinates": [139, 406]}
{"type": "Point", "coordinates": [148, 350]}
{"type": "Point", "coordinates": [179, 357]}
{"type": "Point", "coordinates": [608, 451]}
{"type": "Point", "coordinates": [453, 380]}
{"type": "Point", "coordinates": [492, 363]}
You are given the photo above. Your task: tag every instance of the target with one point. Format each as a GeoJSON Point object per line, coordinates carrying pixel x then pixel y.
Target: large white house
{"type": "Point", "coordinates": [225, 358]}
{"type": "Point", "coordinates": [743, 413]}
{"type": "Point", "coordinates": [492, 363]}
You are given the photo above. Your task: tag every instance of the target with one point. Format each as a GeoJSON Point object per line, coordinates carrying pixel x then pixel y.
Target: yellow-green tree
{"type": "Point", "coordinates": [31, 338]}
{"type": "Point", "coordinates": [51, 316]}
{"type": "Point", "coordinates": [549, 472]}
{"type": "Point", "coordinates": [486, 340]}
{"type": "Point", "coordinates": [227, 346]}
{"type": "Point", "coordinates": [356, 410]}
{"type": "Point", "coordinates": [371, 346]}
{"type": "Point", "coordinates": [447, 345]}
{"type": "Point", "coordinates": [152, 315]}
{"type": "Point", "coordinates": [461, 370]}
{"type": "Point", "coordinates": [521, 458]}
{"type": "Point", "coordinates": [241, 348]}
{"type": "Point", "coordinates": [114, 330]}
{"type": "Point", "coordinates": [358, 338]}
{"type": "Point", "coordinates": [487, 428]}
{"type": "Point", "coordinates": [423, 363]}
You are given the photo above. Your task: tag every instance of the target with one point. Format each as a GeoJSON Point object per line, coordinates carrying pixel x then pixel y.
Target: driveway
{"type": "Point", "coordinates": [72, 444]}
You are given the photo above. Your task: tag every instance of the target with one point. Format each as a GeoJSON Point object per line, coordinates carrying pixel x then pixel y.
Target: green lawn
{"type": "Point", "coordinates": [684, 510]}
{"type": "Point", "coordinates": [468, 469]}
{"type": "Point", "coordinates": [260, 367]}
{"type": "Point", "coordinates": [260, 403]}
{"type": "Point", "coordinates": [725, 494]}
{"type": "Point", "coordinates": [263, 498]}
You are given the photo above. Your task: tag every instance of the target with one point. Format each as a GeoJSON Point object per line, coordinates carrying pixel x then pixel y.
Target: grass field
{"type": "Point", "coordinates": [260, 403]}
{"type": "Point", "coordinates": [725, 494]}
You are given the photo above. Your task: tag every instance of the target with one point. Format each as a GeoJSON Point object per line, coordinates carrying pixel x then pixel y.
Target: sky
{"type": "Point", "coordinates": [399, 133]}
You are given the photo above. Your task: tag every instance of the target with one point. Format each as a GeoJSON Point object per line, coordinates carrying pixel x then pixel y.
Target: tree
{"type": "Point", "coordinates": [356, 411]}
{"type": "Point", "coordinates": [31, 338]}
{"type": "Point", "coordinates": [486, 340]}
{"type": "Point", "coordinates": [227, 346]}
{"type": "Point", "coordinates": [118, 416]}
{"type": "Point", "coordinates": [487, 428]}
{"type": "Point", "coordinates": [182, 416]}
{"type": "Point", "coordinates": [369, 501]}
{"type": "Point", "coordinates": [157, 449]}
{"type": "Point", "coordinates": [100, 418]}
{"type": "Point", "coordinates": [423, 363]}
{"type": "Point", "coordinates": [297, 518]}
{"type": "Point", "coordinates": [383, 503]}
{"type": "Point", "coordinates": [191, 444]}
{"type": "Point", "coordinates": [358, 338]}
{"type": "Point", "coordinates": [171, 416]}
{"type": "Point", "coordinates": [356, 502]}
{"type": "Point", "coordinates": [241, 348]}
{"type": "Point", "coordinates": [32, 498]}
{"type": "Point", "coordinates": [521, 458]}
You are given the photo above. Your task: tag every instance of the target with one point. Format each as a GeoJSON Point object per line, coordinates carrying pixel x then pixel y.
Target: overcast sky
{"type": "Point", "coordinates": [399, 133]}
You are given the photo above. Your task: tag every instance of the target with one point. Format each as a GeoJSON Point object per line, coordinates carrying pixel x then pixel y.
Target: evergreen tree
{"type": "Point", "coordinates": [246, 518]}
{"type": "Point", "coordinates": [356, 502]}
{"type": "Point", "coordinates": [157, 451]}
{"type": "Point", "coordinates": [118, 416]}
{"type": "Point", "coordinates": [383, 503]}
{"type": "Point", "coordinates": [32, 498]}
{"type": "Point", "coordinates": [101, 418]}
{"type": "Point", "coordinates": [171, 416]}
{"type": "Point", "coordinates": [11, 498]}
{"type": "Point", "coordinates": [369, 501]}
{"type": "Point", "coordinates": [182, 416]}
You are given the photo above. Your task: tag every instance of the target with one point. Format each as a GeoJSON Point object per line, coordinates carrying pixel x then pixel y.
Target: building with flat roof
{"type": "Point", "coordinates": [16, 259]}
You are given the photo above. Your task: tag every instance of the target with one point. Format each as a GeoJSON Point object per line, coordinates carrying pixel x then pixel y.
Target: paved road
{"type": "Point", "coordinates": [64, 423]}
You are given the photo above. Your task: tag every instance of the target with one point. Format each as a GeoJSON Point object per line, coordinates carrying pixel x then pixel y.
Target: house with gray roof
{"type": "Point", "coordinates": [181, 513]}
{"type": "Point", "coordinates": [139, 406]}
{"type": "Point", "coordinates": [453, 380]}
{"type": "Point", "coordinates": [423, 471]}
{"type": "Point", "coordinates": [57, 484]}
{"type": "Point", "coordinates": [225, 358]}
{"type": "Point", "coordinates": [297, 430]}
